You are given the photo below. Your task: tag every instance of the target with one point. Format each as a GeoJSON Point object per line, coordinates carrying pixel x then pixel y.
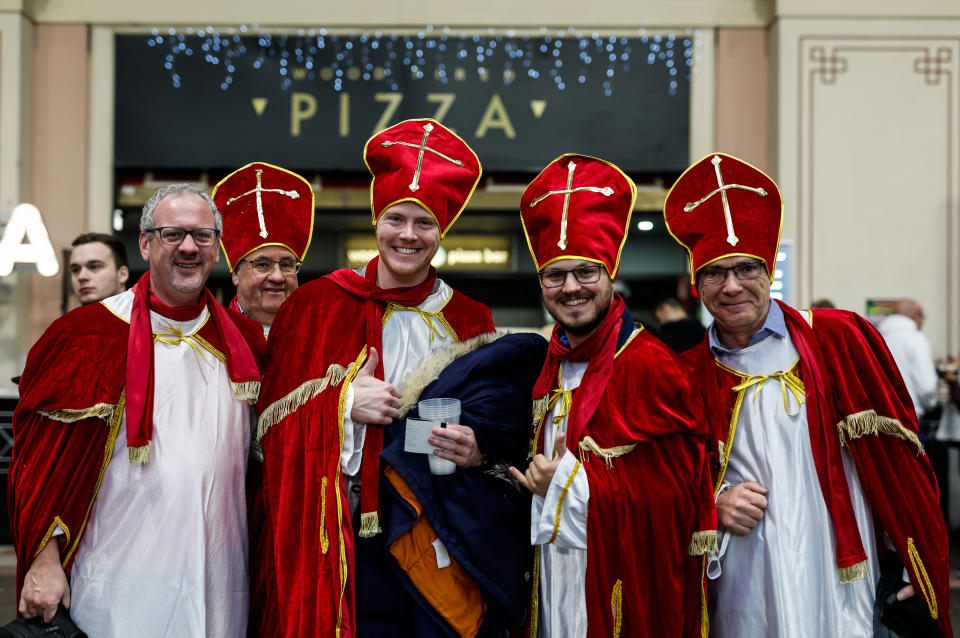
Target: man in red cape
{"type": "Point", "coordinates": [131, 437]}
{"type": "Point", "coordinates": [267, 226]}
{"type": "Point", "coordinates": [828, 506]}
{"type": "Point", "coordinates": [340, 347]}
{"type": "Point", "coordinates": [622, 510]}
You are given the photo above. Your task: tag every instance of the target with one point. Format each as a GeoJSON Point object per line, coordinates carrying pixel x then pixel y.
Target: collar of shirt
{"type": "Point", "coordinates": [774, 325]}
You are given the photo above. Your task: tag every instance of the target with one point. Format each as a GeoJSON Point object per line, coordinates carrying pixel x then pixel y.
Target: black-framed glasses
{"type": "Point", "coordinates": [266, 266]}
{"type": "Point", "coordinates": [744, 271]}
{"type": "Point", "coordinates": [174, 235]}
{"type": "Point", "coordinates": [555, 278]}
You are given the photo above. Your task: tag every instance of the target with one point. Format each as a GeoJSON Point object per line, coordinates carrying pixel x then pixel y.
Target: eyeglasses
{"type": "Point", "coordinates": [265, 266]}
{"type": "Point", "coordinates": [583, 274]}
{"type": "Point", "coordinates": [174, 235]}
{"type": "Point", "coordinates": [715, 275]}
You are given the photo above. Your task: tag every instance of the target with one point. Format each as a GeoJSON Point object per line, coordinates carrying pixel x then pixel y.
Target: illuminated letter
{"type": "Point", "coordinates": [25, 221]}
{"type": "Point", "coordinates": [303, 106]}
{"type": "Point", "coordinates": [344, 114]}
{"type": "Point", "coordinates": [495, 117]}
{"type": "Point", "coordinates": [445, 100]}
{"type": "Point", "coordinates": [393, 101]}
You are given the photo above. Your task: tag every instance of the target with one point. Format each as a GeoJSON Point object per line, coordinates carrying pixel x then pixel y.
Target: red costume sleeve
{"type": "Point", "coordinates": [651, 514]}
{"type": "Point", "coordinates": [64, 427]}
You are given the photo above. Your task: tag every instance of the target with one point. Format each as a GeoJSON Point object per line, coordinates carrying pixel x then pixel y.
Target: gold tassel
{"type": "Point", "coordinates": [247, 391]}
{"type": "Point", "coordinates": [854, 572]}
{"type": "Point", "coordinates": [616, 607]}
{"type": "Point", "coordinates": [140, 455]}
{"type": "Point", "coordinates": [369, 524]}
{"type": "Point", "coordinates": [540, 409]}
{"type": "Point", "coordinates": [282, 408]}
{"type": "Point", "coordinates": [860, 424]}
{"type": "Point", "coordinates": [702, 542]}
{"type": "Point", "coordinates": [101, 410]}
{"type": "Point", "coordinates": [607, 454]}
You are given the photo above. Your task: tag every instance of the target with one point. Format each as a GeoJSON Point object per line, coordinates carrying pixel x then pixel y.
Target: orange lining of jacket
{"type": "Point", "coordinates": [450, 590]}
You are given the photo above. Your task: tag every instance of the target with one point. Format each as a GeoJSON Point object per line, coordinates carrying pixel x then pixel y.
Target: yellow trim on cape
{"type": "Point", "coordinates": [57, 522]}
{"type": "Point", "coordinates": [535, 594]}
{"type": "Point", "coordinates": [341, 412]}
{"type": "Point", "coordinates": [308, 390]}
{"type": "Point", "coordinates": [923, 580]}
{"type": "Point", "coordinates": [704, 610]}
{"type": "Point", "coordinates": [324, 540]}
{"type": "Point", "coordinates": [563, 495]}
{"type": "Point", "coordinates": [616, 607]}
{"type": "Point", "coordinates": [466, 201]}
{"type": "Point", "coordinates": [107, 455]}
{"type": "Point", "coordinates": [589, 445]}
{"type": "Point", "coordinates": [859, 424]}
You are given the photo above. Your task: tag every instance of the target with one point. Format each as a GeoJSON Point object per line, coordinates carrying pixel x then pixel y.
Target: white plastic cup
{"type": "Point", "coordinates": [446, 410]}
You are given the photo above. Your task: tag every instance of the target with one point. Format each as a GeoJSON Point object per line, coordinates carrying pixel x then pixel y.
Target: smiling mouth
{"type": "Point", "coordinates": [579, 301]}
{"type": "Point", "coordinates": [406, 251]}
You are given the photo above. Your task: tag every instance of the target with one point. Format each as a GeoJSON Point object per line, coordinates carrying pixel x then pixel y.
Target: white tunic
{"type": "Point", "coordinates": [407, 340]}
{"type": "Point", "coordinates": [164, 554]}
{"type": "Point", "coordinates": [563, 562]}
{"type": "Point", "coordinates": [781, 579]}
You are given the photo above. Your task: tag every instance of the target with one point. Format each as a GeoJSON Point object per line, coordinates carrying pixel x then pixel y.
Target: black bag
{"type": "Point", "coordinates": [60, 627]}
{"type": "Point", "coordinates": [894, 618]}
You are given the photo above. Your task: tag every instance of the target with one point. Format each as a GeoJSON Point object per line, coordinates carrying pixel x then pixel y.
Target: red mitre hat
{"type": "Point", "coordinates": [578, 207]}
{"type": "Point", "coordinates": [264, 205]}
{"type": "Point", "coordinates": [723, 207]}
{"type": "Point", "coordinates": [421, 161]}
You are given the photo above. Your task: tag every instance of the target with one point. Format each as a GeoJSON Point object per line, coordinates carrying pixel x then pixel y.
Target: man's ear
{"type": "Point", "coordinates": [123, 274]}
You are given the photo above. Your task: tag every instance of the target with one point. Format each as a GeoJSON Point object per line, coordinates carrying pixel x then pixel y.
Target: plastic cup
{"type": "Point", "coordinates": [446, 410]}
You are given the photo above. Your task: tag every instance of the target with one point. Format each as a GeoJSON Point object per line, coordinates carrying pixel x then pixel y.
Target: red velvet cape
{"type": "Point", "coordinates": [648, 504]}
{"type": "Point", "coordinates": [867, 410]}
{"type": "Point", "coordinates": [65, 425]}
{"type": "Point", "coordinates": [305, 561]}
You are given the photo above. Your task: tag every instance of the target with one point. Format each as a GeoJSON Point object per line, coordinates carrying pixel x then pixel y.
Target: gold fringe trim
{"type": "Point", "coordinates": [100, 410]}
{"type": "Point", "coordinates": [369, 524]}
{"type": "Point", "coordinates": [324, 541]}
{"type": "Point", "coordinates": [430, 368]}
{"type": "Point", "coordinates": [860, 424]}
{"type": "Point", "coordinates": [140, 455]}
{"type": "Point", "coordinates": [282, 408]}
{"type": "Point", "coordinates": [540, 409]}
{"type": "Point", "coordinates": [248, 391]}
{"type": "Point", "coordinates": [607, 454]}
{"type": "Point", "coordinates": [616, 607]}
{"type": "Point", "coordinates": [854, 572]}
{"type": "Point", "coordinates": [926, 587]}
{"type": "Point", "coordinates": [702, 542]}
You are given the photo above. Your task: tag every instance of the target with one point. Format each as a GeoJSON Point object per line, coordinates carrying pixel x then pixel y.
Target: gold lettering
{"type": "Point", "coordinates": [393, 102]}
{"type": "Point", "coordinates": [303, 106]}
{"type": "Point", "coordinates": [445, 100]}
{"type": "Point", "coordinates": [344, 114]}
{"type": "Point", "coordinates": [495, 117]}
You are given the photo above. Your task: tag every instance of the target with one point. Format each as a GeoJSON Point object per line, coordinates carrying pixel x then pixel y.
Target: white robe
{"type": "Point", "coordinates": [563, 562]}
{"type": "Point", "coordinates": [781, 579]}
{"type": "Point", "coordinates": [164, 554]}
{"type": "Point", "coordinates": [407, 340]}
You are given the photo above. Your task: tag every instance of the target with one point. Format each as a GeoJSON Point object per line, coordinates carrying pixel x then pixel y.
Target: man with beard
{"type": "Point", "coordinates": [622, 509]}
{"type": "Point", "coordinates": [826, 501]}
{"type": "Point", "coordinates": [267, 225]}
{"type": "Point", "coordinates": [340, 348]}
{"type": "Point", "coordinates": [98, 267]}
{"type": "Point", "coordinates": [131, 438]}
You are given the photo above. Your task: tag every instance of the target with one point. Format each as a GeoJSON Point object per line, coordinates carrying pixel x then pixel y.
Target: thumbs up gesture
{"type": "Point", "coordinates": [374, 401]}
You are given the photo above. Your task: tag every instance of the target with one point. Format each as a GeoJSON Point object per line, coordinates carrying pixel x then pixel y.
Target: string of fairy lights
{"type": "Point", "coordinates": [563, 58]}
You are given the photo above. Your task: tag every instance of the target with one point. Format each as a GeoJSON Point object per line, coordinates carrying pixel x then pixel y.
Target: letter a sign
{"type": "Point", "coordinates": [26, 224]}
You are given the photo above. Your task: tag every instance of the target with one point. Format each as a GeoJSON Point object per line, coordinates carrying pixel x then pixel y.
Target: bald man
{"type": "Point", "coordinates": [911, 351]}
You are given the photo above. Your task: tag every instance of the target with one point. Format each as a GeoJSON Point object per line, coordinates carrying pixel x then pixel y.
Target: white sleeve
{"type": "Point", "coordinates": [561, 517]}
{"type": "Point", "coordinates": [925, 374]}
{"type": "Point", "coordinates": [353, 436]}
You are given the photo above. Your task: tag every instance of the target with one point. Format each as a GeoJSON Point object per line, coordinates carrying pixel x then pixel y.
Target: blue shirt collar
{"type": "Point", "coordinates": [775, 324]}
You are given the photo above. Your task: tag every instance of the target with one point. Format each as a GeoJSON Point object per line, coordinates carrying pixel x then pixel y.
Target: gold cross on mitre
{"type": "Point", "coordinates": [427, 128]}
{"type": "Point", "coordinates": [606, 191]}
{"type": "Point", "coordinates": [722, 188]}
{"type": "Point", "coordinates": [258, 190]}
